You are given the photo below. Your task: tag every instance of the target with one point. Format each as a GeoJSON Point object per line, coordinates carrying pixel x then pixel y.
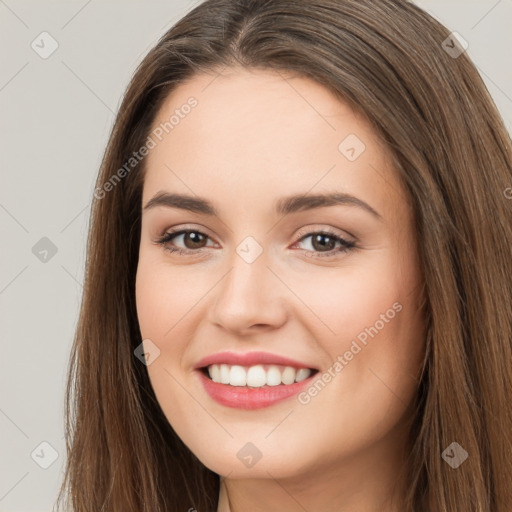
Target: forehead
{"type": "Point", "coordinates": [251, 132]}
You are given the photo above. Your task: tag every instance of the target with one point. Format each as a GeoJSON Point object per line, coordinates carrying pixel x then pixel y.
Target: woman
{"type": "Point", "coordinates": [299, 272]}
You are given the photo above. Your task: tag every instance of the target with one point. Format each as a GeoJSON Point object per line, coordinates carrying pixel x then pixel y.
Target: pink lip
{"type": "Point", "coordinates": [241, 397]}
{"type": "Point", "coordinates": [249, 359]}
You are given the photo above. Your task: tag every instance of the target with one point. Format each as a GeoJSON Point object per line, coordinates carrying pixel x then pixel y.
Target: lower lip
{"type": "Point", "coordinates": [241, 397]}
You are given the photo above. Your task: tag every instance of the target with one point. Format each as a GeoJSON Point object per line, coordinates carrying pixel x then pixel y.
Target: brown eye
{"type": "Point", "coordinates": [321, 242]}
{"type": "Point", "coordinates": [192, 240]}
{"type": "Point", "coordinates": [326, 244]}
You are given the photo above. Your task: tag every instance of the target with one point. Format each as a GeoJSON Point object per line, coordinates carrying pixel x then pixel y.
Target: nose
{"type": "Point", "coordinates": [249, 298]}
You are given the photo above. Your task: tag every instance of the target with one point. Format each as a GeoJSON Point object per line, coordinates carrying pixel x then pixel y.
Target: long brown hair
{"type": "Point", "coordinates": [391, 62]}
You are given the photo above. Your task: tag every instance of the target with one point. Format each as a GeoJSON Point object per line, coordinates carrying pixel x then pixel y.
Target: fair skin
{"type": "Point", "coordinates": [254, 137]}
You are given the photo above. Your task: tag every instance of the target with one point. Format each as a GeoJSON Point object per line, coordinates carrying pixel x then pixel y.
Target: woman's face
{"type": "Point", "coordinates": [276, 289]}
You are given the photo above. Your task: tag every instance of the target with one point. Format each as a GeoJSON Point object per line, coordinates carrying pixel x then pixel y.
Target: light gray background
{"type": "Point", "coordinates": [56, 114]}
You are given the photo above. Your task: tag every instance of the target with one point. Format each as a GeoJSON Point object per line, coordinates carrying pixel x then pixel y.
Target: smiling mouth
{"type": "Point", "coordinates": [256, 376]}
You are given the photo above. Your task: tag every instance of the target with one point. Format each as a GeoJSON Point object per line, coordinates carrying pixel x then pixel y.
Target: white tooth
{"type": "Point", "coordinates": [273, 376]}
{"type": "Point", "coordinates": [288, 375]}
{"type": "Point", "coordinates": [302, 374]}
{"type": "Point", "coordinates": [224, 374]}
{"type": "Point", "coordinates": [256, 376]}
{"type": "Point", "coordinates": [237, 376]}
{"type": "Point", "coordinates": [214, 372]}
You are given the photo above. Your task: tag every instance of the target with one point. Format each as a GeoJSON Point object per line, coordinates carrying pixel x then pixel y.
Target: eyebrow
{"type": "Point", "coordinates": [283, 206]}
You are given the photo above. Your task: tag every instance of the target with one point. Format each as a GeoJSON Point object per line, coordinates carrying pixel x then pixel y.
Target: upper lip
{"type": "Point", "coordinates": [249, 359]}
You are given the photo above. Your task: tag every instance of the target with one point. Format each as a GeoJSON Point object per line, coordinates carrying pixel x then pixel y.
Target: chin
{"type": "Point", "coordinates": [246, 460]}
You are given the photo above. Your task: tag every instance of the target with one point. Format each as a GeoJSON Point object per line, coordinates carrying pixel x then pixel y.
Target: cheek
{"type": "Point", "coordinates": [168, 310]}
{"type": "Point", "coordinates": [157, 310]}
{"type": "Point", "coordinates": [164, 295]}
{"type": "Point", "coordinates": [368, 322]}
{"type": "Point", "coordinates": [339, 303]}
{"type": "Point", "coordinates": [371, 383]}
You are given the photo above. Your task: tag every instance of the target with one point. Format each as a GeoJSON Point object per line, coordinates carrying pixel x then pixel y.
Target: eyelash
{"type": "Point", "coordinates": [346, 245]}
